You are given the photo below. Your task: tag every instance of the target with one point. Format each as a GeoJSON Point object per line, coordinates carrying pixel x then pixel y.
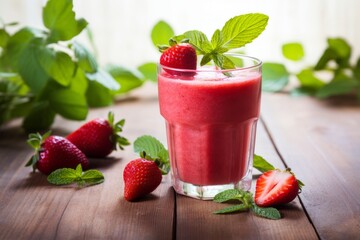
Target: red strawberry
{"type": "Point", "coordinates": [54, 152]}
{"type": "Point", "coordinates": [276, 187]}
{"type": "Point", "coordinates": [180, 56]}
{"type": "Point", "coordinates": [99, 137]}
{"type": "Point", "coordinates": [141, 177]}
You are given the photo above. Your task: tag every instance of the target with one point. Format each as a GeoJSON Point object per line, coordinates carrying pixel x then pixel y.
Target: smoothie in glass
{"type": "Point", "coordinates": [211, 123]}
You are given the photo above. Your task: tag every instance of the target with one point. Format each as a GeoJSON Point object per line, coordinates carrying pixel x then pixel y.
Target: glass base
{"type": "Point", "coordinates": [208, 192]}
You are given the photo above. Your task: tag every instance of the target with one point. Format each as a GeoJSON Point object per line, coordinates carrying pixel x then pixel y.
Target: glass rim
{"type": "Point", "coordinates": [258, 63]}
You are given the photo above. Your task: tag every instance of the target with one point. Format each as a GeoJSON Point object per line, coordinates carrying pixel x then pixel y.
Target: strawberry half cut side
{"type": "Point", "coordinates": [276, 187]}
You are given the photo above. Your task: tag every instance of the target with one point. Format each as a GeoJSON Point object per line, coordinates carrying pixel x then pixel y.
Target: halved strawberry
{"type": "Point", "coordinates": [276, 187]}
{"type": "Point", "coordinates": [179, 56]}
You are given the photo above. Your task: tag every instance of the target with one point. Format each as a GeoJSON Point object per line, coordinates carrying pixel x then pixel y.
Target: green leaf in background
{"type": "Point", "coordinates": [261, 164]}
{"type": "Point", "coordinates": [303, 91]}
{"type": "Point", "coordinates": [125, 78]}
{"type": "Point", "coordinates": [59, 18]}
{"type": "Point", "coordinates": [161, 33]}
{"type": "Point", "coordinates": [105, 79]}
{"type": "Point", "coordinates": [293, 51]}
{"type": "Point", "coordinates": [68, 104]}
{"type": "Point", "coordinates": [341, 84]}
{"type": "Point", "coordinates": [356, 70]}
{"type": "Point", "coordinates": [308, 79]}
{"type": "Point", "coordinates": [275, 77]}
{"type": "Point", "coordinates": [97, 95]}
{"type": "Point", "coordinates": [18, 42]}
{"type": "Point", "coordinates": [79, 83]}
{"type": "Point", "coordinates": [328, 55]}
{"type": "Point", "coordinates": [40, 117]}
{"type": "Point", "coordinates": [85, 59]}
{"type": "Point", "coordinates": [243, 29]}
{"type": "Point", "coordinates": [4, 38]}
{"type": "Point", "coordinates": [57, 64]}
{"type": "Point", "coordinates": [30, 68]}
{"type": "Point", "coordinates": [149, 71]}
{"type": "Point", "coordinates": [340, 46]}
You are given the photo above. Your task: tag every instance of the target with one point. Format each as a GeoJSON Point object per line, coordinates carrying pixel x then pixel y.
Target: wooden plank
{"type": "Point", "coordinates": [196, 221]}
{"type": "Point", "coordinates": [30, 208]}
{"type": "Point", "coordinates": [320, 141]}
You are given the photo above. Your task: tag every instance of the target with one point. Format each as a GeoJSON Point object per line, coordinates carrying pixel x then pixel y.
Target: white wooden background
{"type": "Point", "coordinates": [122, 27]}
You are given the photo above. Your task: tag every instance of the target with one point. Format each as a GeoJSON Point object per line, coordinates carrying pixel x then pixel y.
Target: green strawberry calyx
{"type": "Point", "coordinates": [172, 42]}
{"type": "Point", "coordinates": [36, 140]}
{"type": "Point", "coordinates": [116, 138]}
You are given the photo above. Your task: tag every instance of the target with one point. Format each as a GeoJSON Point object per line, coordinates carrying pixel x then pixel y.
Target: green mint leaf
{"type": "Point", "coordinates": [222, 61]}
{"type": "Point", "coordinates": [105, 79]}
{"type": "Point", "coordinates": [341, 84]}
{"type": "Point", "coordinates": [328, 55]}
{"type": "Point", "coordinates": [85, 59]}
{"type": "Point", "coordinates": [242, 29]}
{"type": "Point", "coordinates": [356, 70]}
{"type": "Point", "coordinates": [68, 104]}
{"type": "Point", "coordinates": [4, 38]}
{"type": "Point", "coordinates": [275, 77]}
{"type": "Point", "coordinates": [198, 39]}
{"type": "Point", "coordinates": [149, 71]}
{"type": "Point", "coordinates": [270, 213]}
{"type": "Point", "coordinates": [63, 176]}
{"type": "Point", "coordinates": [40, 116]}
{"type": "Point", "coordinates": [97, 95]}
{"type": "Point", "coordinates": [216, 39]}
{"type": "Point", "coordinates": [59, 18]}
{"type": "Point", "coordinates": [154, 150]}
{"type": "Point", "coordinates": [340, 46]}
{"type": "Point", "coordinates": [232, 209]}
{"type": "Point", "coordinates": [303, 91]}
{"type": "Point", "coordinates": [30, 68]}
{"type": "Point", "coordinates": [57, 64]}
{"type": "Point", "coordinates": [161, 33]}
{"type": "Point", "coordinates": [92, 177]}
{"type": "Point", "coordinates": [79, 82]}
{"type": "Point", "coordinates": [293, 51]}
{"type": "Point", "coordinates": [308, 79]}
{"type": "Point", "coordinates": [125, 78]}
{"type": "Point", "coordinates": [79, 170]}
{"type": "Point", "coordinates": [261, 164]}
{"type": "Point", "coordinates": [227, 195]}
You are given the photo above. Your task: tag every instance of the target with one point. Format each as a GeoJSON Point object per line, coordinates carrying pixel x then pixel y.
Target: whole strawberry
{"type": "Point", "coordinates": [276, 187]}
{"type": "Point", "coordinates": [179, 56]}
{"type": "Point", "coordinates": [99, 137]}
{"type": "Point", "coordinates": [54, 152]}
{"type": "Point", "coordinates": [141, 177]}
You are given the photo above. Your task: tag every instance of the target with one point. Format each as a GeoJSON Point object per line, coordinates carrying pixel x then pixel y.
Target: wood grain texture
{"type": "Point", "coordinates": [320, 141]}
{"type": "Point", "coordinates": [31, 208]}
{"type": "Point", "coordinates": [196, 221]}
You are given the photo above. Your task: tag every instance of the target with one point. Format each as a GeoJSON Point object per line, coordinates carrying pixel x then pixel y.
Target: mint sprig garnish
{"type": "Point", "coordinates": [236, 33]}
{"type": "Point", "coordinates": [246, 203]}
{"type": "Point", "coordinates": [65, 176]}
{"type": "Point", "coordinates": [152, 149]}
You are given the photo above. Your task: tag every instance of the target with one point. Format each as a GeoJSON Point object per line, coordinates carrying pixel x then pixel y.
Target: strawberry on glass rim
{"type": "Point", "coordinates": [180, 56]}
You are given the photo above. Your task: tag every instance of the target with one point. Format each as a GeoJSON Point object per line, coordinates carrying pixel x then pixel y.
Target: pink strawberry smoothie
{"type": "Point", "coordinates": [211, 123]}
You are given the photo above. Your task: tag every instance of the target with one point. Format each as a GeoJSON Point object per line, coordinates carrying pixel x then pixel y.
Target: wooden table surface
{"type": "Point", "coordinates": [319, 140]}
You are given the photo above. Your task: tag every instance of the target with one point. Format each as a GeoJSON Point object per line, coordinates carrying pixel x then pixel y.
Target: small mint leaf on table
{"type": "Point", "coordinates": [65, 176]}
{"type": "Point", "coordinates": [227, 195]}
{"type": "Point", "coordinates": [231, 209]}
{"type": "Point", "coordinates": [270, 213]}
